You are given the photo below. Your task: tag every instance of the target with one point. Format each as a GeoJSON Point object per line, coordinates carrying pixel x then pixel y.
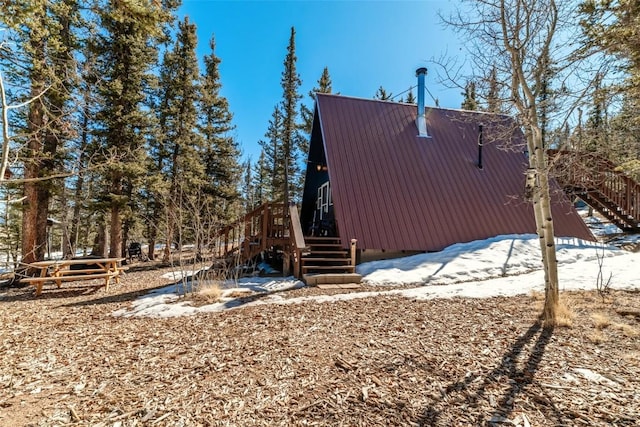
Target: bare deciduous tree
{"type": "Point", "coordinates": [519, 42]}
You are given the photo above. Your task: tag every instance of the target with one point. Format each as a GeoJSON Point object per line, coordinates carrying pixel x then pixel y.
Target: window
{"type": "Point", "coordinates": [324, 199]}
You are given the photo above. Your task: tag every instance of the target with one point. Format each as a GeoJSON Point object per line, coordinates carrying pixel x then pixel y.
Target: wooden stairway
{"type": "Point", "coordinates": [596, 181]}
{"type": "Point", "coordinates": [325, 261]}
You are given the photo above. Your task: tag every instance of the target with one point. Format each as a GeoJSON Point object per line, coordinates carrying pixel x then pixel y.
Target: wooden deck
{"type": "Point", "coordinates": [317, 260]}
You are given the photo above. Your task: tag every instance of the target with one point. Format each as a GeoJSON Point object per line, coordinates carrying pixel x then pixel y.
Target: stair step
{"type": "Point", "coordinates": [324, 245]}
{"type": "Point", "coordinates": [321, 238]}
{"type": "Point", "coordinates": [343, 253]}
{"type": "Point", "coordinates": [328, 267]}
{"type": "Point", "coordinates": [306, 260]}
{"type": "Point", "coordinates": [331, 278]}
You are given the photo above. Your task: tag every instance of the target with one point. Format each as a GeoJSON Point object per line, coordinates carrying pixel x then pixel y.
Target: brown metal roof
{"type": "Point", "coordinates": [395, 191]}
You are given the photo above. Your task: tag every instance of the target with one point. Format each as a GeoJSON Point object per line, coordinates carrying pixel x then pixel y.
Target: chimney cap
{"type": "Point", "coordinates": [421, 70]}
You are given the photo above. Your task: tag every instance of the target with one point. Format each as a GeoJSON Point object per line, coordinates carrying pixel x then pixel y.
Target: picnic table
{"type": "Point", "coordinates": [58, 271]}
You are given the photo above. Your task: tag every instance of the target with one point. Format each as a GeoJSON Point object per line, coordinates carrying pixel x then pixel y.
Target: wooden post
{"type": "Point", "coordinates": [296, 240]}
{"type": "Point", "coordinates": [353, 251]}
{"type": "Point", "coordinates": [265, 226]}
{"type": "Point", "coordinates": [247, 237]}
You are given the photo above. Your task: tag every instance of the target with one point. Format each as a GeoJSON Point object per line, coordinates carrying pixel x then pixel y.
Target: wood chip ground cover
{"type": "Point", "coordinates": [366, 362]}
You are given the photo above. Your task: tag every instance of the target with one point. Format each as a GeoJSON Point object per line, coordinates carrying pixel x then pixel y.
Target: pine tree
{"type": "Point", "coordinates": [546, 98]}
{"type": "Point", "coordinates": [469, 102]}
{"type": "Point", "coordinates": [274, 163]}
{"type": "Point", "coordinates": [221, 151]}
{"type": "Point", "coordinates": [614, 26]}
{"type": "Point", "coordinates": [248, 192]}
{"type": "Point", "coordinates": [382, 94]}
{"type": "Point", "coordinates": [291, 138]}
{"type": "Point", "coordinates": [594, 134]}
{"type": "Point", "coordinates": [183, 146]}
{"type": "Point", "coordinates": [81, 159]}
{"type": "Point", "coordinates": [324, 86]}
{"type": "Point", "coordinates": [46, 42]}
{"type": "Point", "coordinates": [126, 53]}
{"type": "Point", "coordinates": [410, 99]}
{"type": "Point", "coordinates": [494, 103]}
{"type": "Point", "coordinates": [260, 175]}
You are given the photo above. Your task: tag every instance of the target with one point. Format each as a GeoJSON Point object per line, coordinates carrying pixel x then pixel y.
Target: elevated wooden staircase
{"type": "Point", "coordinates": [596, 181]}
{"type": "Point", "coordinates": [315, 260]}
{"type": "Point", "coordinates": [258, 231]}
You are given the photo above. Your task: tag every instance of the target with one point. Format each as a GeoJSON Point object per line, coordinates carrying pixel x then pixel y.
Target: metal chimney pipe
{"type": "Point", "coordinates": [421, 121]}
{"type": "Point", "coordinates": [480, 142]}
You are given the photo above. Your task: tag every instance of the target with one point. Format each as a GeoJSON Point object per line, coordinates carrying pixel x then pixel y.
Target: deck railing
{"type": "Point", "coordinates": [592, 174]}
{"type": "Point", "coordinates": [253, 233]}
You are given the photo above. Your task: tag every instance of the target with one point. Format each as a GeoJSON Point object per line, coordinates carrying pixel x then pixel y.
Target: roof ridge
{"type": "Point", "coordinates": [358, 98]}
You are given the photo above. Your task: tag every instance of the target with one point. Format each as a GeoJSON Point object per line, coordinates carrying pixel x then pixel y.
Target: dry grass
{"type": "Point", "coordinates": [600, 320]}
{"type": "Point", "coordinates": [564, 315]}
{"type": "Point", "coordinates": [596, 337]}
{"type": "Point", "coordinates": [239, 293]}
{"type": "Point", "coordinates": [627, 330]}
{"type": "Point", "coordinates": [208, 294]}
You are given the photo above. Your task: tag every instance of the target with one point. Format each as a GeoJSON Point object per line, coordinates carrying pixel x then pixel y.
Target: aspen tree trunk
{"type": "Point", "coordinates": [544, 223]}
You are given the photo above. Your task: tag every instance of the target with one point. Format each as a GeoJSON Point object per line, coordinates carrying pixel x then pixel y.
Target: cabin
{"type": "Point", "coordinates": [398, 178]}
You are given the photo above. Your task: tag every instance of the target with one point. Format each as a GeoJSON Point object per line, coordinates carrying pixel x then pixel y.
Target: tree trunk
{"type": "Point", "coordinates": [151, 250]}
{"type": "Point", "coordinates": [115, 232]}
{"type": "Point", "coordinates": [100, 241]}
{"type": "Point", "coordinates": [33, 248]}
{"type": "Point", "coordinates": [77, 195]}
{"type": "Point", "coordinates": [544, 225]}
{"type": "Point", "coordinates": [166, 257]}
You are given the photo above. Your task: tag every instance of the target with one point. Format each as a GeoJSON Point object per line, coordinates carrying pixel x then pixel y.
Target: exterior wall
{"type": "Point", "coordinates": [314, 178]}
{"type": "Point", "coordinates": [369, 255]}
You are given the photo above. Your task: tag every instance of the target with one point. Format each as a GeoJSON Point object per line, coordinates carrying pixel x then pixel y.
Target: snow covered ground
{"type": "Point", "coordinates": [499, 266]}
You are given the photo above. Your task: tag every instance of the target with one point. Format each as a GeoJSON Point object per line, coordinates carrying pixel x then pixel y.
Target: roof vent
{"type": "Point", "coordinates": [421, 121]}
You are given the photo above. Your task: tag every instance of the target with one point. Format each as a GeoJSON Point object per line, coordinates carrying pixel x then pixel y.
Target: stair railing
{"type": "Point", "coordinates": [252, 233]}
{"type": "Point", "coordinates": [296, 241]}
{"type": "Point", "coordinates": [592, 173]}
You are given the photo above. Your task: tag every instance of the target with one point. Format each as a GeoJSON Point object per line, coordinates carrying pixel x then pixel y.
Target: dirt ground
{"type": "Point", "coordinates": [376, 361]}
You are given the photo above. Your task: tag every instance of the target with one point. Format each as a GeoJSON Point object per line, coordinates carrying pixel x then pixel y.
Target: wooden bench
{"type": "Point", "coordinates": [62, 271]}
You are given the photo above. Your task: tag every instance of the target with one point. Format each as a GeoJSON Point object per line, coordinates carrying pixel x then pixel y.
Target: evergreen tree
{"type": "Point", "coordinates": [42, 56]}
{"type": "Point", "coordinates": [221, 151]}
{"type": "Point", "coordinates": [410, 99]}
{"type": "Point", "coordinates": [248, 192]}
{"type": "Point", "coordinates": [260, 179]}
{"type": "Point", "coordinates": [184, 169]}
{"type": "Point", "coordinates": [274, 162]}
{"type": "Point", "coordinates": [624, 137]}
{"type": "Point", "coordinates": [291, 138]}
{"type": "Point", "coordinates": [126, 52]}
{"type": "Point", "coordinates": [614, 26]}
{"type": "Point", "coordinates": [494, 103]}
{"type": "Point", "coordinates": [324, 86]}
{"type": "Point", "coordinates": [79, 184]}
{"type": "Point", "coordinates": [546, 98]}
{"type": "Point", "coordinates": [470, 102]}
{"type": "Point", "coordinates": [382, 94]}
{"type": "Point", "coordinates": [594, 135]}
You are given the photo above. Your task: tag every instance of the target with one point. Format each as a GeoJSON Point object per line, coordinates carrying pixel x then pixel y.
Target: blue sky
{"type": "Point", "coordinates": [365, 44]}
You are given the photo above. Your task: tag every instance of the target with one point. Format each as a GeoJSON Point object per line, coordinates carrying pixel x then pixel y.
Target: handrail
{"type": "Point", "coordinates": [296, 228]}
{"type": "Point", "coordinates": [593, 173]}
{"type": "Point", "coordinates": [251, 233]}
{"type": "Point", "coordinates": [296, 241]}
